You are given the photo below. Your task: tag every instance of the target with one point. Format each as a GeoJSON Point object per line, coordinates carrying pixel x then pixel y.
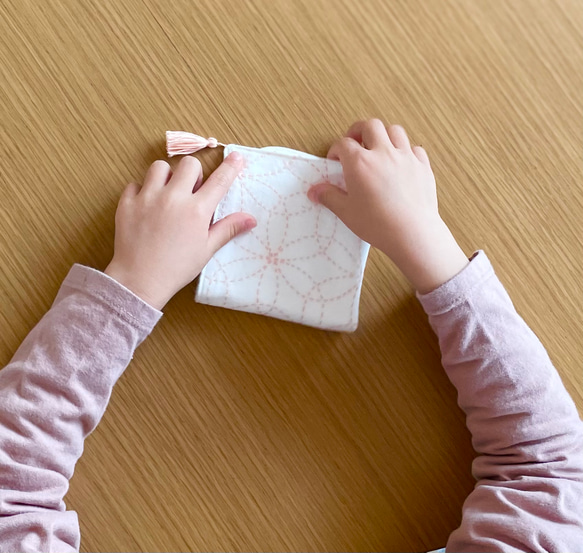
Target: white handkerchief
{"type": "Point", "coordinates": [300, 263]}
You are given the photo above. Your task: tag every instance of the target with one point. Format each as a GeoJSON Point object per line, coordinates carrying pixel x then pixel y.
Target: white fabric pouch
{"type": "Point", "coordinates": [300, 263]}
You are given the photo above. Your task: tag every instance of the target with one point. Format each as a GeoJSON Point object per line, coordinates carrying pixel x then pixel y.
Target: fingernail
{"type": "Point", "coordinates": [312, 196]}
{"type": "Point", "coordinates": [236, 157]}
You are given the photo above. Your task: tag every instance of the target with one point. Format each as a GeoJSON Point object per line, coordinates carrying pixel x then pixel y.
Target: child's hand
{"type": "Point", "coordinates": [391, 202]}
{"type": "Point", "coordinates": [162, 234]}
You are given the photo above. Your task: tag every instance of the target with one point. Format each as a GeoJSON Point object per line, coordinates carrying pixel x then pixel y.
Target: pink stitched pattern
{"type": "Point", "coordinates": [300, 263]}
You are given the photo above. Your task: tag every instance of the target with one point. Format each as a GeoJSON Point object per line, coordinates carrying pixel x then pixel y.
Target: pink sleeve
{"type": "Point", "coordinates": [525, 426]}
{"type": "Point", "coordinates": [52, 396]}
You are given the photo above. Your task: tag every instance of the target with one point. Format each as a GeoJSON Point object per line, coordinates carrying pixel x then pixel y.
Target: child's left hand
{"type": "Point", "coordinates": [163, 235]}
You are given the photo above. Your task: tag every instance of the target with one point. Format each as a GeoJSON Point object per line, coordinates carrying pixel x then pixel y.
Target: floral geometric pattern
{"type": "Point", "coordinates": [300, 263]}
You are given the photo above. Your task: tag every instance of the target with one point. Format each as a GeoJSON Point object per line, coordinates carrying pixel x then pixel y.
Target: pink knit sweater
{"type": "Point", "coordinates": [524, 425]}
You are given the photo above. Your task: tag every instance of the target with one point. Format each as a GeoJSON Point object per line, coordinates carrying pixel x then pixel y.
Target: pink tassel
{"type": "Point", "coordinates": [180, 143]}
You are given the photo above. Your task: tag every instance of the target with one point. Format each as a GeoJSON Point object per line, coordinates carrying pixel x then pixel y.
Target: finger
{"type": "Point", "coordinates": [217, 185]}
{"type": "Point", "coordinates": [198, 182]}
{"type": "Point", "coordinates": [399, 137]}
{"type": "Point", "coordinates": [371, 134]}
{"type": "Point", "coordinates": [330, 196]}
{"type": "Point", "coordinates": [343, 149]}
{"type": "Point", "coordinates": [226, 229]}
{"type": "Point", "coordinates": [421, 154]}
{"type": "Point", "coordinates": [157, 176]}
{"type": "Point", "coordinates": [130, 191]}
{"type": "Point", "coordinates": [186, 175]}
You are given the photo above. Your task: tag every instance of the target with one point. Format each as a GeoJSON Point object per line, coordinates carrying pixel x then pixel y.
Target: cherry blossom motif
{"type": "Point", "coordinates": [300, 263]}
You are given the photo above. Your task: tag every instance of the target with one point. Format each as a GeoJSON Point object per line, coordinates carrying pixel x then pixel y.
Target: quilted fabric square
{"type": "Point", "coordinates": [300, 263]}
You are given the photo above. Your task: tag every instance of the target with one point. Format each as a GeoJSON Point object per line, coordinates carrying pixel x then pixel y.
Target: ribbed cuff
{"type": "Point", "coordinates": [460, 287]}
{"type": "Point", "coordinates": [109, 291]}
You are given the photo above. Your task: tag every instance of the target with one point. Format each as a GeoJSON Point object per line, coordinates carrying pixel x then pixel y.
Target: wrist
{"type": "Point", "coordinates": [136, 286]}
{"type": "Point", "coordinates": [430, 257]}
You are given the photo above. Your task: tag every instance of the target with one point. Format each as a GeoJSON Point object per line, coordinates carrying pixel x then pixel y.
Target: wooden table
{"type": "Point", "coordinates": [238, 432]}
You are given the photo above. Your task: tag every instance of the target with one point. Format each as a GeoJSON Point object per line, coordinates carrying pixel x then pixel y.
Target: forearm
{"type": "Point", "coordinates": [523, 422]}
{"type": "Point", "coordinates": [53, 394]}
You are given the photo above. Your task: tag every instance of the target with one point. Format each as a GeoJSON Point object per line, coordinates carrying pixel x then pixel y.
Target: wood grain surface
{"type": "Point", "coordinates": [238, 432]}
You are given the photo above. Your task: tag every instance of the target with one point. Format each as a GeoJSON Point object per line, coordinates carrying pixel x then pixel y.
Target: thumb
{"type": "Point", "coordinates": [226, 229]}
{"type": "Point", "coordinates": [330, 196]}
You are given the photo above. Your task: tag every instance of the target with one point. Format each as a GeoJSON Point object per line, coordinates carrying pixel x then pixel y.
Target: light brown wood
{"type": "Point", "coordinates": [237, 432]}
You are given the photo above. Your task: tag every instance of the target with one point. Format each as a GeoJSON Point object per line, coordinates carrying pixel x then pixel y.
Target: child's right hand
{"type": "Point", "coordinates": [391, 202]}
